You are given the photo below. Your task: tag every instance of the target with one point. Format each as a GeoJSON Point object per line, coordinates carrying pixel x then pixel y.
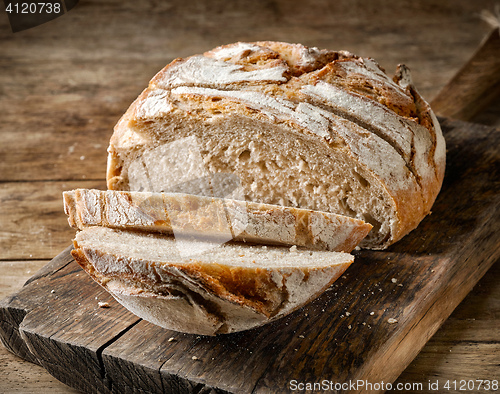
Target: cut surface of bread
{"type": "Point", "coordinates": [211, 290]}
{"type": "Point", "coordinates": [288, 125]}
{"type": "Point", "coordinates": [211, 218]}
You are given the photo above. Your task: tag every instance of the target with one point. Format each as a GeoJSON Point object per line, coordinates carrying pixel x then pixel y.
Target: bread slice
{"type": "Point", "coordinates": [213, 218]}
{"type": "Point", "coordinates": [287, 125]}
{"type": "Point", "coordinates": [228, 288]}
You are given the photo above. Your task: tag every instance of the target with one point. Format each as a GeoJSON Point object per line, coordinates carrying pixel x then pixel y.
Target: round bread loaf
{"type": "Point", "coordinates": [284, 124]}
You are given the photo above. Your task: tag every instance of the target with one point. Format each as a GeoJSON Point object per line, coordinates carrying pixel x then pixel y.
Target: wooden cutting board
{"type": "Point", "coordinates": [345, 339]}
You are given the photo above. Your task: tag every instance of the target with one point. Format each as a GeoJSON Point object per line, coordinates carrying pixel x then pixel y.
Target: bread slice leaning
{"type": "Point", "coordinates": [213, 218]}
{"type": "Point", "coordinates": [222, 289]}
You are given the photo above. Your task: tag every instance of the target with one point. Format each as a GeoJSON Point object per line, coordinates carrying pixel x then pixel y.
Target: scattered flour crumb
{"type": "Point", "coordinates": [103, 304]}
{"type": "Point", "coordinates": [293, 248]}
{"type": "Point", "coordinates": [372, 313]}
{"type": "Point", "coordinates": [394, 280]}
{"type": "Point", "coordinates": [391, 320]}
{"type": "Point", "coordinates": [348, 313]}
{"type": "Point", "coordinates": [171, 339]}
{"type": "Point", "coordinates": [194, 358]}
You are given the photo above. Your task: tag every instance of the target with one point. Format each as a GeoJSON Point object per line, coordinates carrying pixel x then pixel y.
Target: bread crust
{"type": "Point", "coordinates": [213, 218]}
{"type": "Point", "coordinates": [300, 90]}
{"type": "Point", "coordinates": [197, 297]}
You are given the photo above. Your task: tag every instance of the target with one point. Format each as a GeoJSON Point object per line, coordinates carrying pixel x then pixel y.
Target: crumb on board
{"type": "Point", "coordinates": [194, 358]}
{"type": "Point", "coordinates": [394, 280]}
{"type": "Point", "coordinates": [391, 320]}
{"type": "Point", "coordinates": [103, 304]}
{"type": "Point", "coordinates": [171, 339]}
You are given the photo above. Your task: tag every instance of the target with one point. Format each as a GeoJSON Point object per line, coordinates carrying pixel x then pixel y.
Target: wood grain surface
{"type": "Point", "coordinates": [64, 84]}
{"type": "Point", "coordinates": [475, 85]}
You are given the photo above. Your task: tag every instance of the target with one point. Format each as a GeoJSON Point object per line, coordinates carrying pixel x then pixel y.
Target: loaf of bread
{"type": "Point", "coordinates": [233, 287]}
{"type": "Point", "coordinates": [214, 219]}
{"type": "Point", "coordinates": [284, 124]}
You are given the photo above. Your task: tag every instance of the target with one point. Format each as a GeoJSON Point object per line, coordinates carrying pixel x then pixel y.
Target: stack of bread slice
{"type": "Point", "coordinates": [207, 265]}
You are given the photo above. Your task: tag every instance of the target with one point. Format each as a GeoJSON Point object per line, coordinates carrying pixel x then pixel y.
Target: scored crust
{"type": "Point", "coordinates": [213, 218]}
{"type": "Point", "coordinates": [297, 126]}
{"type": "Point", "coordinates": [234, 288]}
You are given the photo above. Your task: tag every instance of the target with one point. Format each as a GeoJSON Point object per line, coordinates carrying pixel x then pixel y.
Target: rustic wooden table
{"type": "Point", "coordinates": [64, 84]}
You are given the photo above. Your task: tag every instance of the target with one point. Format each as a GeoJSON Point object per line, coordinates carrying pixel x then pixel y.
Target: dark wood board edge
{"type": "Point", "coordinates": [12, 313]}
{"type": "Point", "coordinates": [75, 366]}
{"type": "Point", "coordinates": [444, 302]}
{"type": "Point", "coordinates": [68, 332]}
{"type": "Point", "coordinates": [151, 379]}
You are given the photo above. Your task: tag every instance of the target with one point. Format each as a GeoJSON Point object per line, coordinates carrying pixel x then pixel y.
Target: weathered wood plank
{"type": "Point", "coordinates": [60, 325]}
{"type": "Point", "coordinates": [466, 346]}
{"type": "Point", "coordinates": [33, 222]}
{"type": "Point", "coordinates": [476, 84]}
{"type": "Point", "coordinates": [13, 310]}
{"type": "Point", "coordinates": [16, 273]}
{"type": "Point", "coordinates": [20, 376]}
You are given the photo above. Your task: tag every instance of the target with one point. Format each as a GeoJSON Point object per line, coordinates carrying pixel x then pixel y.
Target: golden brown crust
{"type": "Point", "coordinates": [213, 218]}
{"type": "Point", "coordinates": [224, 298]}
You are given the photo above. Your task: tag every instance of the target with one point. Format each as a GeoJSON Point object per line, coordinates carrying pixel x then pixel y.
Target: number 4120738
{"type": "Point", "coordinates": [34, 8]}
{"type": "Point", "coordinates": [470, 385]}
